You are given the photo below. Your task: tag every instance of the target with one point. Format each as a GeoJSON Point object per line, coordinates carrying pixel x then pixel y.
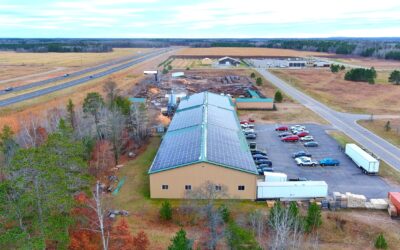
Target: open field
{"type": "Point", "coordinates": [247, 52]}
{"type": "Point", "coordinates": [345, 96]}
{"type": "Point", "coordinates": [180, 63]}
{"type": "Point", "coordinates": [368, 62]}
{"type": "Point", "coordinates": [378, 127]}
{"type": "Point", "coordinates": [25, 64]}
{"type": "Point", "coordinates": [125, 80]}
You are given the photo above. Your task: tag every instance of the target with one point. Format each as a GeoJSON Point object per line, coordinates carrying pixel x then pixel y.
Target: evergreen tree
{"type": "Point", "coordinates": [253, 75]}
{"type": "Point", "coordinates": [259, 81]}
{"type": "Point", "coordinates": [313, 219]}
{"type": "Point", "coordinates": [395, 77]}
{"type": "Point", "coordinates": [380, 242]}
{"type": "Point", "coordinates": [225, 213]}
{"type": "Point", "coordinates": [278, 96]}
{"type": "Point", "coordinates": [71, 113]}
{"type": "Point", "coordinates": [240, 238]}
{"type": "Point", "coordinates": [166, 211]}
{"type": "Point", "coordinates": [180, 242]}
{"type": "Point", "coordinates": [8, 146]}
{"type": "Point", "coordinates": [387, 126]}
{"type": "Point", "coordinates": [92, 105]}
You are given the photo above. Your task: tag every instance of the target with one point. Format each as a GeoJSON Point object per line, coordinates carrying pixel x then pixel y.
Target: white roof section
{"type": "Point", "coordinates": [360, 151]}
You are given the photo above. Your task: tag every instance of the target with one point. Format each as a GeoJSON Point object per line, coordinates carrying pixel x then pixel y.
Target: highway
{"type": "Point", "coordinates": [78, 73]}
{"type": "Point", "coordinates": [33, 94]}
{"type": "Point", "coordinates": [345, 122]}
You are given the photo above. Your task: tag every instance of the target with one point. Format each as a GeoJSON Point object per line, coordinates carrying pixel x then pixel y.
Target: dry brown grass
{"type": "Point", "coordinates": [369, 62]}
{"type": "Point", "coordinates": [14, 65]}
{"type": "Point", "coordinates": [378, 127]}
{"type": "Point", "coordinates": [234, 51]}
{"type": "Point", "coordinates": [180, 63]}
{"type": "Point", "coordinates": [347, 96]}
{"type": "Point", "coordinates": [125, 80]}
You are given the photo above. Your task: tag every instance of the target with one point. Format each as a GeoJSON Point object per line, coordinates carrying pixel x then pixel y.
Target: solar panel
{"type": "Point", "coordinates": [187, 118]}
{"type": "Point", "coordinates": [191, 101]}
{"type": "Point", "coordinates": [226, 147]}
{"type": "Point", "coordinates": [222, 117]}
{"type": "Point", "coordinates": [177, 148]}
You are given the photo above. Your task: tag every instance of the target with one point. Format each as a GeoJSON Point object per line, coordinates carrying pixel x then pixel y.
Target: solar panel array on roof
{"type": "Point", "coordinates": [187, 118]}
{"type": "Point", "coordinates": [178, 148]}
{"type": "Point", "coordinates": [204, 128]}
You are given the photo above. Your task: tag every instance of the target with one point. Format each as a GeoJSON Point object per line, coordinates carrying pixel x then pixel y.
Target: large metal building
{"type": "Point", "coordinates": [204, 143]}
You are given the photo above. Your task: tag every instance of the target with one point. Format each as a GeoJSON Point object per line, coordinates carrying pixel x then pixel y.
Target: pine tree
{"type": "Point", "coordinates": [313, 219]}
{"type": "Point", "coordinates": [253, 75]}
{"type": "Point", "coordinates": [225, 213]}
{"type": "Point", "coordinates": [71, 113]}
{"type": "Point", "coordinates": [259, 81]}
{"type": "Point", "coordinates": [278, 96]}
{"type": "Point", "coordinates": [387, 126]}
{"type": "Point", "coordinates": [380, 242]}
{"type": "Point", "coordinates": [141, 241]}
{"type": "Point", "coordinates": [180, 242]}
{"type": "Point", "coordinates": [166, 211]}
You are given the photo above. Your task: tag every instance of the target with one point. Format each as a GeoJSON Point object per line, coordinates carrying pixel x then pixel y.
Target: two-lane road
{"type": "Point", "coordinates": [37, 93]}
{"type": "Point", "coordinates": [347, 123]}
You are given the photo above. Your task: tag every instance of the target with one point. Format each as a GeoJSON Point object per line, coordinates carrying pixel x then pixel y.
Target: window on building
{"type": "Point", "coordinates": [164, 187]}
{"type": "Point", "coordinates": [188, 187]}
{"type": "Point", "coordinates": [218, 188]}
{"type": "Point", "coordinates": [241, 188]}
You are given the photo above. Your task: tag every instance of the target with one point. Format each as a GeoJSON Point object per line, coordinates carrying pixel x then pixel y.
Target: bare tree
{"type": "Point", "coordinates": [205, 196]}
{"type": "Point", "coordinates": [111, 90]}
{"type": "Point", "coordinates": [30, 134]}
{"type": "Point", "coordinates": [258, 221]}
{"type": "Point", "coordinates": [138, 122]}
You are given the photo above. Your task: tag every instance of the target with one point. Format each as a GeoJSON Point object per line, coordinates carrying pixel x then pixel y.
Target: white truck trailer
{"type": "Point", "coordinates": [291, 190]}
{"type": "Point", "coordinates": [365, 161]}
{"type": "Point", "coordinates": [271, 176]}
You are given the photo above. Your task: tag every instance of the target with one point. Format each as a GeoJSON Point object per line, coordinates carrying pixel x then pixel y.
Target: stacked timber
{"type": "Point", "coordinates": [392, 210]}
{"type": "Point", "coordinates": [355, 200]}
{"type": "Point", "coordinates": [340, 199]}
{"type": "Point", "coordinates": [379, 204]}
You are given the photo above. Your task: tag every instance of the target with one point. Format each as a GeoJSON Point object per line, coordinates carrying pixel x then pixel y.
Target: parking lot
{"type": "Point", "coordinates": [344, 178]}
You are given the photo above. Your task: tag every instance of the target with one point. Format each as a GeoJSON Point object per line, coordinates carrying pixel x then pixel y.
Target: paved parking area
{"type": "Point", "coordinates": [344, 178]}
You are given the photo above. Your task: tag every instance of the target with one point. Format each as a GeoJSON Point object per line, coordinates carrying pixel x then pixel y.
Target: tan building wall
{"type": "Point", "coordinates": [254, 105]}
{"type": "Point", "coordinates": [198, 174]}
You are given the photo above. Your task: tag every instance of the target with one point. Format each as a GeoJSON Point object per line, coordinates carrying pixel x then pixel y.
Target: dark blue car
{"type": "Point", "coordinates": [300, 154]}
{"type": "Point", "coordinates": [329, 162]}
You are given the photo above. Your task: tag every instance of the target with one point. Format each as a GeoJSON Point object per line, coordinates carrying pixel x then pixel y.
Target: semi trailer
{"type": "Point", "coordinates": [366, 162]}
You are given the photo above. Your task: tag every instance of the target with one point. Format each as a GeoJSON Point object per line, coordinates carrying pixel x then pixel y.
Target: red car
{"type": "Point", "coordinates": [282, 128]}
{"type": "Point", "coordinates": [302, 134]}
{"type": "Point", "coordinates": [290, 138]}
{"type": "Point", "coordinates": [244, 122]}
{"type": "Point", "coordinates": [252, 120]}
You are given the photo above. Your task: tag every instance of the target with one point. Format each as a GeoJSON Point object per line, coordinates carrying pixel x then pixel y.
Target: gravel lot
{"type": "Point", "coordinates": [344, 178]}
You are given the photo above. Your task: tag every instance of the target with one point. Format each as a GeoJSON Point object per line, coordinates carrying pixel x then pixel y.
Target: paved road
{"type": "Point", "coordinates": [81, 72]}
{"type": "Point", "coordinates": [344, 122]}
{"type": "Point", "coordinates": [82, 80]}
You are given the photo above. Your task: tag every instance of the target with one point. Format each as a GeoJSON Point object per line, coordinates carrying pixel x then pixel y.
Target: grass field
{"type": "Point", "coordinates": [14, 64]}
{"type": "Point", "coordinates": [233, 51]}
{"type": "Point", "coordinates": [378, 127]}
{"type": "Point", "coordinates": [386, 171]}
{"type": "Point", "coordinates": [180, 63]}
{"type": "Point", "coordinates": [369, 62]}
{"type": "Point", "coordinates": [346, 96]}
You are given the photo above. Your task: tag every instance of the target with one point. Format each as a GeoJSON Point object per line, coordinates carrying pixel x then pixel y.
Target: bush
{"type": "Point", "coordinates": [361, 74]}
{"type": "Point", "coordinates": [225, 213]}
{"type": "Point", "coordinates": [259, 81]}
{"type": "Point", "coordinates": [380, 242]}
{"type": "Point", "coordinates": [165, 71]}
{"type": "Point", "coordinates": [169, 67]}
{"type": "Point", "coordinates": [335, 68]}
{"type": "Point", "coordinates": [395, 77]}
{"type": "Point", "coordinates": [187, 68]}
{"type": "Point", "coordinates": [253, 75]}
{"type": "Point", "coordinates": [342, 67]}
{"type": "Point", "coordinates": [166, 211]}
{"type": "Point", "coordinates": [278, 96]}
{"type": "Point", "coordinates": [240, 238]}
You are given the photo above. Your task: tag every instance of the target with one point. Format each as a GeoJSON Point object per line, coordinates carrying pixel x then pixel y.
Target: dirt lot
{"type": "Point", "coordinates": [125, 79]}
{"type": "Point", "coordinates": [232, 51]}
{"type": "Point", "coordinates": [346, 96]}
{"type": "Point", "coordinates": [13, 65]}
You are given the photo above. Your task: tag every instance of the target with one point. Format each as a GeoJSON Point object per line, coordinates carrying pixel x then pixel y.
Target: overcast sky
{"type": "Point", "coordinates": [199, 19]}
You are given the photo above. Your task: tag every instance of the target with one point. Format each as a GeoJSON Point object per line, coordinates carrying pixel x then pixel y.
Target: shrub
{"type": "Point", "coordinates": [169, 67]}
{"type": "Point", "coordinates": [180, 242]}
{"type": "Point", "coordinates": [361, 74]}
{"type": "Point", "coordinates": [240, 238]}
{"type": "Point", "coordinates": [313, 219]}
{"type": "Point", "coordinates": [395, 77]}
{"type": "Point", "coordinates": [166, 211]}
{"type": "Point", "coordinates": [278, 96]}
{"type": "Point", "coordinates": [165, 71]}
{"type": "Point", "coordinates": [225, 213]}
{"type": "Point", "coordinates": [335, 68]}
{"type": "Point", "coordinates": [380, 242]}
{"type": "Point", "coordinates": [253, 75]}
{"type": "Point", "coordinates": [187, 68]}
{"type": "Point", "coordinates": [259, 81]}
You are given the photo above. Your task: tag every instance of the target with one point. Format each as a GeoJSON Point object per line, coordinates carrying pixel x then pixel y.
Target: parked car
{"type": "Point", "coordinates": [8, 89]}
{"type": "Point", "coordinates": [248, 130]}
{"type": "Point", "coordinates": [297, 127]}
{"type": "Point", "coordinates": [264, 156]}
{"type": "Point", "coordinates": [266, 164]}
{"type": "Point", "coordinates": [253, 152]}
{"type": "Point", "coordinates": [251, 136]}
{"type": "Point", "coordinates": [329, 162]}
{"type": "Point", "coordinates": [296, 132]}
{"type": "Point", "coordinates": [300, 154]}
{"type": "Point", "coordinates": [244, 122]}
{"type": "Point", "coordinates": [90, 76]}
{"type": "Point", "coordinates": [267, 169]}
{"type": "Point", "coordinates": [262, 161]}
{"type": "Point", "coordinates": [302, 134]}
{"type": "Point", "coordinates": [290, 138]}
{"type": "Point", "coordinates": [282, 128]}
{"type": "Point", "coordinates": [307, 138]}
{"type": "Point", "coordinates": [298, 179]}
{"type": "Point", "coordinates": [305, 161]}
{"type": "Point", "coordinates": [252, 120]}
{"type": "Point", "coordinates": [284, 134]}
{"type": "Point", "coordinates": [311, 144]}
{"type": "Point", "coordinates": [66, 75]}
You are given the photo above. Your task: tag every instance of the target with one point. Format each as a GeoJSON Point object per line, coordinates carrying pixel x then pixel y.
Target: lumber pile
{"type": "Point", "coordinates": [340, 200]}
{"type": "Point", "coordinates": [379, 204]}
{"type": "Point", "coordinates": [355, 200]}
{"type": "Point", "coordinates": [392, 210]}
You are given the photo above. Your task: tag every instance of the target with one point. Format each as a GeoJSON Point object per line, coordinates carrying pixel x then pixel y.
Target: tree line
{"type": "Point", "coordinates": [50, 164]}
